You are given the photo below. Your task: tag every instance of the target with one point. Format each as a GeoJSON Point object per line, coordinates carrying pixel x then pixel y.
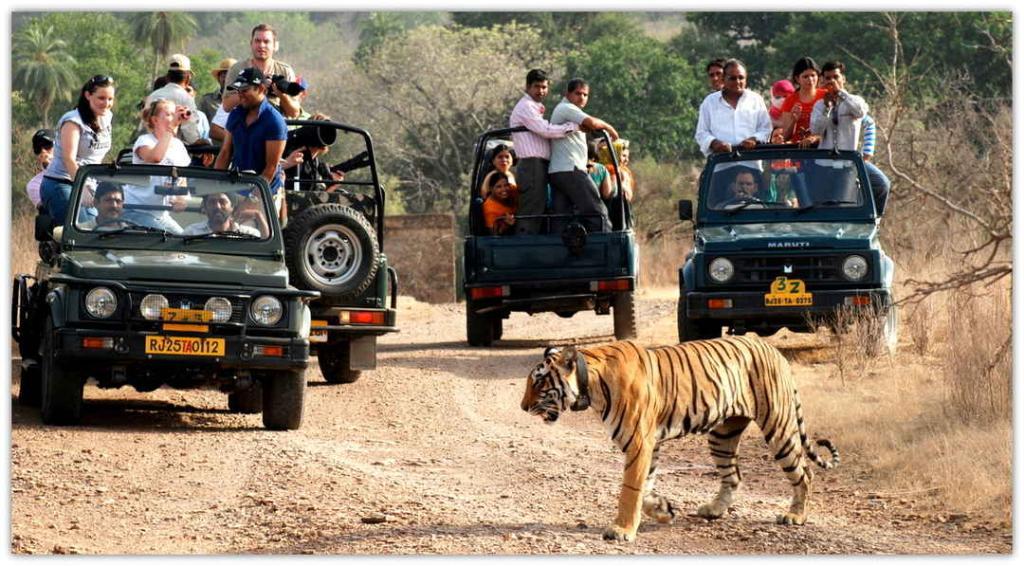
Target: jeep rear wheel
{"type": "Point", "coordinates": [624, 313]}
{"type": "Point", "coordinates": [480, 329]}
{"type": "Point", "coordinates": [61, 395]}
{"type": "Point", "coordinates": [284, 394]}
{"type": "Point", "coordinates": [690, 329]}
{"type": "Point", "coordinates": [333, 359]}
{"type": "Point", "coordinates": [332, 249]}
{"type": "Point", "coordinates": [248, 401]}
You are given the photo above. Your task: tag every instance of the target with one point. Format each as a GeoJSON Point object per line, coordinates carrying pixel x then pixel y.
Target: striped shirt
{"type": "Point", "coordinates": [534, 143]}
{"type": "Point", "coordinates": [867, 125]}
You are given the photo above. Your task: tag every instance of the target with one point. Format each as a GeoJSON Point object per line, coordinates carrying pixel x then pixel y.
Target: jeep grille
{"type": "Point", "coordinates": [177, 300]}
{"type": "Point", "coordinates": [764, 269]}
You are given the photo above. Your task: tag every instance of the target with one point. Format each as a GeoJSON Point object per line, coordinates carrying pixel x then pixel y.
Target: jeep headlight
{"type": "Point", "coordinates": [855, 268]}
{"type": "Point", "coordinates": [220, 309]}
{"type": "Point", "coordinates": [721, 270]}
{"type": "Point", "coordinates": [266, 310]}
{"type": "Point", "coordinates": [152, 305]}
{"type": "Point", "coordinates": [100, 302]}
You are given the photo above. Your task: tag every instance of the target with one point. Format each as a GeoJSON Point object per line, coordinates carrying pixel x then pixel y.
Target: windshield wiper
{"type": "Point", "coordinates": [825, 203]}
{"type": "Point", "coordinates": [234, 234]}
{"type": "Point", "coordinates": [135, 228]}
{"type": "Point", "coordinates": [753, 200]}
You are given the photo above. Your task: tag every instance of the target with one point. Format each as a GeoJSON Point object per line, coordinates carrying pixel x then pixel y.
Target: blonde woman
{"type": "Point", "coordinates": [158, 146]}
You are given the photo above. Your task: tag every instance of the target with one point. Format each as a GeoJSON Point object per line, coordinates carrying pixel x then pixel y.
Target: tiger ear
{"type": "Point", "coordinates": [568, 356]}
{"type": "Point", "coordinates": [550, 352]}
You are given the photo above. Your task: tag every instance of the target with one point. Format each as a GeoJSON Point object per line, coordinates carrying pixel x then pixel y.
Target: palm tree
{"type": "Point", "coordinates": [162, 31]}
{"type": "Point", "coordinates": [42, 68]}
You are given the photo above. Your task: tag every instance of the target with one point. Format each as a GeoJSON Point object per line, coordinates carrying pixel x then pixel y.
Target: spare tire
{"type": "Point", "coordinates": [332, 249]}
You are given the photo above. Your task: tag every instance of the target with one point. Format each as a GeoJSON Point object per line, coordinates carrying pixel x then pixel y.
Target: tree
{"type": "Point", "coordinates": [163, 31]}
{"type": "Point", "coordinates": [648, 94]}
{"type": "Point", "coordinates": [430, 92]}
{"type": "Point", "coordinates": [43, 68]}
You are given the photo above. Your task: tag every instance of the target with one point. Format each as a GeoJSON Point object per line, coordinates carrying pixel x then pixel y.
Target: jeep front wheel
{"type": "Point", "coordinates": [284, 394]}
{"type": "Point", "coordinates": [332, 249]}
{"type": "Point", "coordinates": [62, 388]}
{"type": "Point", "coordinates": [690, 329]}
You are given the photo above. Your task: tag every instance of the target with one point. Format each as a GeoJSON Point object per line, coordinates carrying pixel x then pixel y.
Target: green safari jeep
{"type": "Point", "coordinates": [150, 282]}
{"type": "Point", "coordinates": [785, 238]}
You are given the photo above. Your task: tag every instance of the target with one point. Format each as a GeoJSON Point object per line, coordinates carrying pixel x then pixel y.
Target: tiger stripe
{"type": "Point", "coordinates": [645, 396]}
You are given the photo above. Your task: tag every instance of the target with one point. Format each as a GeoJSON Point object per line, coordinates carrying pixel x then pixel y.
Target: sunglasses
{"type": "Point", "coordinates": [735, 78]}
{"type": "Point", "coordinates": [101, 80]}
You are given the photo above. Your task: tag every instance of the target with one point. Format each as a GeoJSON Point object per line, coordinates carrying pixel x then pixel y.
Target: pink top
{"type": "Point", "coordinates": [33, 188]}
{"type": "Point", "coordinates": [534, 143]}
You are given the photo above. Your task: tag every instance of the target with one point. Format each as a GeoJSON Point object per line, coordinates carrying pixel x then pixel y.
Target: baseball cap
{"type": "Point", "coordinates": [248, 77]}
{"type": "Point", "coordinates": [41, 139]}
{"type": "Point", "coordinates": [179, 62]}
{"type": "Point", "coordinates": [782, 88]}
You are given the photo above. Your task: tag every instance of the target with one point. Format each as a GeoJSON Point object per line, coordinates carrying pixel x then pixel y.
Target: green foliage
{"type": "Point", "coordinates": [162, 32]}
{"type": "Point", "coordinates": [426, 118]}
{"type": "Point", "coordinates": [648, 94]}
{"type": "Point", "coordinates": [559, 31]}
{"type": "Point", "coordinates": [42, 67]}
{"type": "Point", "coordinates": [929, 47]}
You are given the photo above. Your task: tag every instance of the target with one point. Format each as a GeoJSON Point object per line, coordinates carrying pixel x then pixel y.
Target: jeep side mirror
{"type": "Point", "coordinates": [686, 210]}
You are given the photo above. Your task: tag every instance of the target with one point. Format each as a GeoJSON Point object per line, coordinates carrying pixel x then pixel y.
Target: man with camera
{"type": "Point", "coordinates": [179, 78]}
{"type": "Point", "coordinates": [279, 76]}
{"type": "Point", "coordinates": [255, 131]}
{"type": "Point", "coordinates": [836, 120]}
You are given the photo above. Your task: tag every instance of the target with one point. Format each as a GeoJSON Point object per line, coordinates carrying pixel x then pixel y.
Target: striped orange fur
{"type": "Point", "coordinates": [645, 396]}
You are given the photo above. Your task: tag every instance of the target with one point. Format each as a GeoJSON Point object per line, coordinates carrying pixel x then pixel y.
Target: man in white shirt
{"type": "Point", "coordinates": [836, 120]}
{"type": "Point", "coordinates": [533, 149]}
{"type": "Point", "coordinates": [218, 208]}
{"type": "Point", "coordinates": [571, 185]}
{"type": "Point", "coordinates": [732, 116]}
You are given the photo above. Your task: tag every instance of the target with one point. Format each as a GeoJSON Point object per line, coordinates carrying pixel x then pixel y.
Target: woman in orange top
{"type": "Point", "coordinates": [501, 204]}
{"type": "Point", "coordinates": [796, 110]}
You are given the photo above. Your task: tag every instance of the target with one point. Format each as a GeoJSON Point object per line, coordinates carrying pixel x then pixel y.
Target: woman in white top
{"type": "Point", "coordinates": [83, 138]}
{"type": "Point", "coordinates": [160, 146]}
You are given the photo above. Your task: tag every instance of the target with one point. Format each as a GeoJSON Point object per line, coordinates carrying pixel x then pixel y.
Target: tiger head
{"type": "Point", "coordinates": [551, 387]}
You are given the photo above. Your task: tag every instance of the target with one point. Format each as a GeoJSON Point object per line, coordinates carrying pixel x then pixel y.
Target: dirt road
{"type": "Point", "coordinates": [430, 454]}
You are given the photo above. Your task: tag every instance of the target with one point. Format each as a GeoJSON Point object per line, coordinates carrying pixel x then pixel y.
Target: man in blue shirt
{"type": "Point", "coordinates": [255, 133]}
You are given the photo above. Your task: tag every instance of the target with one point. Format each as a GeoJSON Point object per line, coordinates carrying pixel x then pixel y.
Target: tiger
{"type": "Point", "coordinates": [647, 396]}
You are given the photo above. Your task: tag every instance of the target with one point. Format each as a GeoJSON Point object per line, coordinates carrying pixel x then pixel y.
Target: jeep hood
{"type": "Point", "coordinates": [788, 235]}
{"type": "Point", "coordinates": [153, 266]}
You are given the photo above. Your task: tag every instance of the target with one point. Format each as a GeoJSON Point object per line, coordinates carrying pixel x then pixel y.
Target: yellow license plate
{"type": "Point", "coordinates": [184, 346]}
{"type": "Point", "coordinates": [185, 315]}
{"type": "Point", "coordinates": [786, 292]}
{"type": "Point", "coordinates": [318, 331]}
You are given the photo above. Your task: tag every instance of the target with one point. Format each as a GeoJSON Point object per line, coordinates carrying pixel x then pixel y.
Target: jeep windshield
{"type": "Point", "coordinates": [123, 202]}
{"type": "Point", "coordinates": [785, 184]}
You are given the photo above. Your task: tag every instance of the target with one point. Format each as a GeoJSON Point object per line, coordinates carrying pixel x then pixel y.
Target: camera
{"type": "Point", "coordinates": [282, 84]}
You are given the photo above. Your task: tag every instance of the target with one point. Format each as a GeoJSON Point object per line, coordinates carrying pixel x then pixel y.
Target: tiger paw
{"type": "Point", "coordinates": [790, 519]}
{"type": "Point", "coordinates": [713, 510]}
{"type": "Point", "coordinates": [661, 511]}
{"type": "Point", "coordinates": [618, 534]}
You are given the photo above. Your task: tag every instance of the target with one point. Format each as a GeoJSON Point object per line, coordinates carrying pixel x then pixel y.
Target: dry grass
{"type": "Point", "coordinates": [24, 249]}
{"type": "Point", "coordinates": [660, 260]}
{"type": "Point", "coordinates": [932, 424]}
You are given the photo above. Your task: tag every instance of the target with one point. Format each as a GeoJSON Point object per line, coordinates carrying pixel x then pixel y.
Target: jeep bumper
{"type": "Point", "coordinates": [106, 348]}
{"type": "Point", "coordinates": [749, 308]}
